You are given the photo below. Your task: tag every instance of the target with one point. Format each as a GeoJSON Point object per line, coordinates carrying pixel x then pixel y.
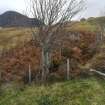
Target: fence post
{"type": "Point", "coordinates": [68, 68]}
{"type": "Point", "coordinates": [0, 75]}
{"type": "Point", "coordinates": [30, 75]}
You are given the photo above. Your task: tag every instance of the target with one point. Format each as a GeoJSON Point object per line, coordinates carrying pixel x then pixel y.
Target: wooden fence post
{"type": "Point", "coordinates": [0, 75]}
{"type": "Point", "coordinates": [68, 68]}
{"type": "Point", "coordinates": [30, 75]}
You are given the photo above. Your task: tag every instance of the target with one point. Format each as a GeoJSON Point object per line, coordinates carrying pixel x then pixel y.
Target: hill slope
{"type": "Point", "coordinates": [14, 19]}
{"type": "Point", "coordinates": [18, 52]}
{"type": "Point", "coordinates": [100, 21]}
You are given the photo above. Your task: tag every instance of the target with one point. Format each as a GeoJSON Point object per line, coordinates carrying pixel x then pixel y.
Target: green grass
{"type": "Point", "coordinates": [89, 91]}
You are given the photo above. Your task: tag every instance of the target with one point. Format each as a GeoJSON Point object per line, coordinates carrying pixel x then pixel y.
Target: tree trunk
{"type": "Point", "coordinates": [45, 64]}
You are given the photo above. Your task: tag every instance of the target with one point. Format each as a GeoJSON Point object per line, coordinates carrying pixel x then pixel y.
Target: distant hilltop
{"type": "Point", "coordinates": [15, 19]}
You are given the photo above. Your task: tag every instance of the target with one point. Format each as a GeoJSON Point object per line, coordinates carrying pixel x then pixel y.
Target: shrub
{"type": "Point", "coordinates": [67, 52]}
{"type": "Point", "coordinates": [54, 77]}
{"type": "Point", "coordinates": [55, 65]}
{"type": "Point", "coordinates": [99, 62]}
{"type": "Point", "coordinates": [87, 52]}
{"type": "Point", "coordinates": [44, 100]}
{"type": "Point", "coordinates": [83, 19]}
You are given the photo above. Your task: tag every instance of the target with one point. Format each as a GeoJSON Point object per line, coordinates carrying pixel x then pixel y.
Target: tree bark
{"type": "Point", "coordinates": [45, 64]}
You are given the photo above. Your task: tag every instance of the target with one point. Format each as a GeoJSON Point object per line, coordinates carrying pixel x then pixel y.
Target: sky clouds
{"type": "Point", "coordinates": [16, 5]}
{"type": "Point", "coordinates": [93, 6]}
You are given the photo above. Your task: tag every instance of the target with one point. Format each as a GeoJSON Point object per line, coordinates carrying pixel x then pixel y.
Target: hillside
{"type": "Point", "coordinates": [11, 37]}
{"type": "Point", "coordinates": [89, 91]}
{"type": "Point", "coordinates": [19, 35]}
{"type": "Point", "coordinates": [15, 19]}
{"type": "Point", "coordinates": [97, 20]}
{"type": "Point", "coordinates": [18, 49]}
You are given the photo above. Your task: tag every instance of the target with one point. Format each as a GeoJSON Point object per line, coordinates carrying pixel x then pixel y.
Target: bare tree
{"type": "Point", "coordinates": [54, 15]}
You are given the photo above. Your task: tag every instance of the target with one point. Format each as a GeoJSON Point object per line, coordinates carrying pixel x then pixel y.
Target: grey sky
{"type": "Point", "coordinates": [15, 5]}
{"type": "Point", "coordinates": [93, 6]}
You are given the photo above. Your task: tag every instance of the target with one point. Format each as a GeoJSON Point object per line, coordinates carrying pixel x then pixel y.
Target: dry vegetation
{"type": "Point", "coordinates": [10, 37]}
{"type": "Point", "coordinates": [20, 51]}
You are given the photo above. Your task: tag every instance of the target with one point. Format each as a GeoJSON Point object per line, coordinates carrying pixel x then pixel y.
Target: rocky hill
{"type": "Point", "coordinates": [15, 19]}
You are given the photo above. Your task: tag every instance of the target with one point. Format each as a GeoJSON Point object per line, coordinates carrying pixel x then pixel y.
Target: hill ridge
{"type": "Point", "coordinates": [16, 19]}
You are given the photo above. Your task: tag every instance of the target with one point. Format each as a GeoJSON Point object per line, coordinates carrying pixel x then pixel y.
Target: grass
{"type": "Point", "coordinates": [85, 27]}
{"type": "Point", "coordinates": [89, 91]}
{"type": "Point", "coordinates": [11, 37]}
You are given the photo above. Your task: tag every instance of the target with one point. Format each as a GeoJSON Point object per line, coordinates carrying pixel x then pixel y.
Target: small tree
{"type": "Point", "coordinates": [54, 14]}
{"type": "Point", "coordinates": [82, 19]}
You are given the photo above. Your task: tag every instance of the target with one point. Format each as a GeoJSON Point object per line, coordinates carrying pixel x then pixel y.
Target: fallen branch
{"type": "Point", "coordinates": [98, 72]}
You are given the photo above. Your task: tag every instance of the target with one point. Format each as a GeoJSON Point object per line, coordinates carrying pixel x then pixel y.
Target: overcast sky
{"type": "Point", "coordinates": [93, 7]}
